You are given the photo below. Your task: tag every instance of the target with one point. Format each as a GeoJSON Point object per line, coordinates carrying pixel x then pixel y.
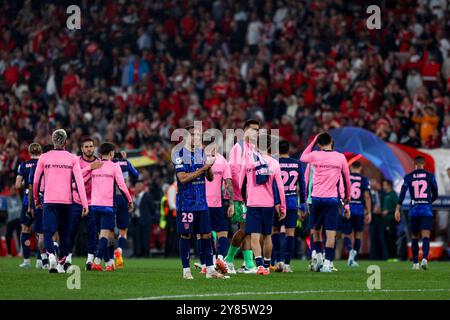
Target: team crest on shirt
{"type": "Point", "coordinates": [186, 226]}
{"type": "Point", "coordinates": [178, 161]}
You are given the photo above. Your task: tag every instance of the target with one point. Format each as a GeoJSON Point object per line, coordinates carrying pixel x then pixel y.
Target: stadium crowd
{"type": "Point", "coordinates": [136, 70]}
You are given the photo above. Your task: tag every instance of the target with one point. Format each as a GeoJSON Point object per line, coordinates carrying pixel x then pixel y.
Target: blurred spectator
{"type": "Point", "coordinates": [390, 200]}
{"type": "Point", "coordinates": [13, 228]}
{"type": "Point", "coordinates": [144, 216]}
{"type": "Point", "coordinates": [428, 121]}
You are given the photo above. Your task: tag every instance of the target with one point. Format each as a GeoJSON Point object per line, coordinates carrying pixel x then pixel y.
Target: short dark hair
{"type": "Point", "coordinates": [47, 148]}
{"type": "Point", "coordinates": [87, 140]}
{"type": "Point", "coordinates": [356, 165]}
{"type": "Point", "coordinates": [284, 147]}
{"type": "Point", "coordinates": [419, 160]}
{"type": "Point", "coordinates": [324, 139]}
{"type": "Point", "coordinates": [248, 123]}
{"type": "Point", "coordinates": [106, 148]}
{"type": "Point", "coordinates": [389, 182]}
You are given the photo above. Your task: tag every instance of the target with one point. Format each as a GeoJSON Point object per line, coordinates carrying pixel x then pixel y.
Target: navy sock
{"type": "Point", "coordinates": [415, 250]}
{"type": "Point", "coordinates": [329, 253]}
{"type": "Point", "coordinates": [347, 243]}
{"type": "Point", "coordinates": [289, 249]}
{"type": "Point", "coordinates": [266, 263]}
{"type": "Point", "coordinates": [184, 245]}
{"type": "Point", "coordinates": [259, 261]}
{"type": "Point", "coordinates": [357, 245]}
{"type": "Point", "coordinates": [102, 248]}
{"type": "Point", "coordinates": [282, 244]}
{"type": "Point", "coordinates": [24, 238]}
{"type": "Point", "coordinates": [222, 246]}
{"type": "Point", "coordinates": [200, 252]}
{"type": "Point", "coordinates": [111, 251]}
{"type": "Point", "coordinates": [425, 247]}
{"type": "Point", "coordinates": [318, 246]}
{"type": "Point", "coordinates": [122, 243]}
{"type": "Point", "coordinates": [276, 247]}
{"type": "Point", "coordinates": [207, 251]}
{"type": "Point", "coordinates": [213, 247]}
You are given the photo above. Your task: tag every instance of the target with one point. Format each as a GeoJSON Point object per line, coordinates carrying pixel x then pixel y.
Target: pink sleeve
{"type": "Point", "coordinates": [242, 175]}
{"type": "Point", "coordinates": [118, 177]}
{"type": "Point", "coordinates": [37, 178]}
{"type": "Point", "coordinates": [308, 155]}
{"type": "Point", "coordinates": [307, 173]}
{"type": "Point", "coordinates": [346, 177]}
{"type": "Point", "coordinates": [80, 183]}
{"type": "Point", "coordinates": [227, 171]}
{"type": "Point", "coordinates": [85, 172]}
{"type": "Point", "coordinates": [280, 187]}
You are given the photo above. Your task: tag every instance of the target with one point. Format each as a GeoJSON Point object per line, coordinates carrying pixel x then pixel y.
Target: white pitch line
{"type": "Point", "coordinates": [235, 294]}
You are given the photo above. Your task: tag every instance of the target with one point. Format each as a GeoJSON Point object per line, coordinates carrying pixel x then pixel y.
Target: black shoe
{"type": "Point", "coordinates": [45, 261]}
{"type": "Point", "coordinates": [67, 266]}
{"type": "Point", "coordinates": [89, 266]}
{"type": "Point", "coordinates": [54, 270]}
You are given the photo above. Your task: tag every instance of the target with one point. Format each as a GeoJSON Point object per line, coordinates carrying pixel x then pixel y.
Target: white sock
{"type": "Point", "coordinates": [327, 263]}
{"type": "Point", "coordinates": [110, 263]}
{"type": "Point", "coordinates": [43, 256]}
{"type": "Point", "coordinates": [220, 257]}
{"type": "Point", "coordinates": [90, 258]}
{"type": "Point", "coordinates": [97, 261]}
{"type": "Point", "coordinates": [26, 261]}
{"type": "Point", "coordinates": [203, 266]}
{"type": "Point", "coordinates": [186, 270]}
{"type": "Point", "coordinates": [210, 269]}
{"type": "Point", "coordinates": [69, 258]}
{"type": "Point", "coordinates": [119, 249]}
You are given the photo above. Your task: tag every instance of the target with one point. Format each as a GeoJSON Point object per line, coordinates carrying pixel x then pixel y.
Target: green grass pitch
{"type": "Point", "coordinates": [161, 279]}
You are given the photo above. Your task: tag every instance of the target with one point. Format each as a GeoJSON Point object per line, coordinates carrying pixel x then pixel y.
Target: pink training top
{"type": "Point", "coordinates": [261, 195]}
{"type": "Point", "coordinates": [86, 172]}
{"type": "Point", "coordinates": [103, 180]}
{"type": "Point", "coordinates": [239, 154]}
{"type": "Point", "coordinates": [58, 167]}
{"type": "Point", "coordinates": [221, 171]}
{"type": "Point", "coordinates": [327, 169]}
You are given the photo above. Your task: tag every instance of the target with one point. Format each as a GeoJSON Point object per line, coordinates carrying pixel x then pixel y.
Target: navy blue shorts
{"type": "Point", "coordinates": [289, 222]}
{"type": "Point", "coordinates": [38, 221]}
{"type": "Point", "coordinates": [355, 223]}
{"type": "Point", "coordinates": [24, 217]}
{"type": "Point", "coordinates": [55, 217]}
{"type": "Point", "coordinates": [121, 210]}
{"type": "Point", "coordinates": [419, 223]}
{"type": "Point", "coordinates": [325, 212]}
{"type": "Point", "coordinates": [195, 222]}
{"type": "Point", "coordinates": [219, 219]}
{"type": "Point", "coordinates": [104, 217]}
{"type": "Point", "coordinates": [259, 220]}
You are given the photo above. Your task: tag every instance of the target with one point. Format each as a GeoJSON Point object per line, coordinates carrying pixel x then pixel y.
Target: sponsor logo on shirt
{"type": "Point", "coordinates": [58, 166]}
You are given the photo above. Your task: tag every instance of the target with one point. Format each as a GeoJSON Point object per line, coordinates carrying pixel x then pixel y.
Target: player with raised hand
{"type": "Point", "coordinates": [423, 190]}
{"type": "Point", "coordinates": [328, 166]}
